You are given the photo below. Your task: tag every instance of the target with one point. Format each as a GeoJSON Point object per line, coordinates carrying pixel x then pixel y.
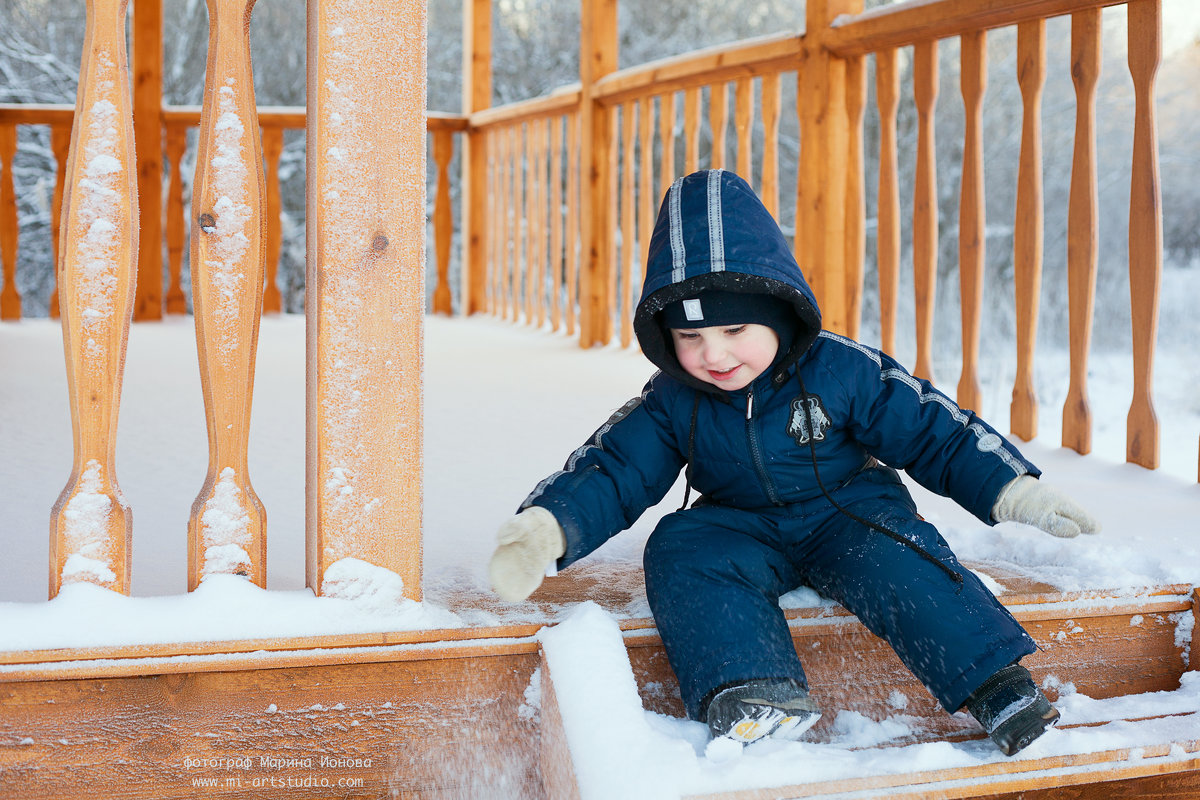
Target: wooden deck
{"type": "Point", "coordinates": [445, 714]}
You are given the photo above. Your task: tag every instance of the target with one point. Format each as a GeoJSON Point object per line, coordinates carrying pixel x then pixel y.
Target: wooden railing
{"type": "Point", "coordinates": [636, 151]}
{"type": "Point", "coordinates": [364, 308]}
{"type": "Point", "coordinates": [177, 122]}
{"type": "Point", "coordinates": [570, 185]}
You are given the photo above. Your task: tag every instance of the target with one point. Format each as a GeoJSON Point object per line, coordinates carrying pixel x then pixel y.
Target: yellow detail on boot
{"type": "Point", "coordinates": [747, 730]}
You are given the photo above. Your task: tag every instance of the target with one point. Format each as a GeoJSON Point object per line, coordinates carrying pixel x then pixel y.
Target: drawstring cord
{"type": "Point", "coordinates": [687, 470]}
{"type": "Point", "coordinates": [888, 532]}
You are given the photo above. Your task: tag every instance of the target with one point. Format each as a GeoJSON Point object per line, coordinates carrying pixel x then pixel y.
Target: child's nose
{"type": "Point", "coordinates": [714, 351]}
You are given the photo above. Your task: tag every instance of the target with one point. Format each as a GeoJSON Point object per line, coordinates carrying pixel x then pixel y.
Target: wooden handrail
{"type": "Point", "coordinates": [922, 20]}
{"type": "Point", "coordinates": [559, 102]}
{"type": "Point", "coordinates": [747, 58]}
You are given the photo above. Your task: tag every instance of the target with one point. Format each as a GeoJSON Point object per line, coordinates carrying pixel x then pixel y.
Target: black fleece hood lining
{"type": "Point", "coordinates": [655, 343]}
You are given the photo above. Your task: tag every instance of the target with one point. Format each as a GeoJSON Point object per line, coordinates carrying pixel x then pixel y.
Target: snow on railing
{"type": "Point", "coordinates": [365, 297]}
{"type": "Point", "coordinates": [91, 526]}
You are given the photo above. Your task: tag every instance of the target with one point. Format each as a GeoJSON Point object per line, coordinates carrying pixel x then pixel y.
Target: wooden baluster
{"type": "Point", "coordinates": [520, 219]}
{"type": "Point", "coordinates": [887, 231]}
{"type": "Point", "coordinates": [227, 529]}
{"type": "Point", "coordinates": [611, 192]}
{"type": "Point", "coordinates": [691, 130]}
{"type": "Point", "coordinates": [573, 243]}
{"type": "Point", "coordinates": [543, 246]}
{"type": "Point", "coordinates": [531, 218]}
{"type": "Point", "coordinates": [1027, 233]}
{"type": "Point", "coordinates": [90, 524]}
{"type": "Point", "coordinates": [443, 220]}
{"type": "Point", "coordinates": [771, 98]}
{"type": "Point", "coordinates": [10, 298]}
{"type": "Point", "coordinates": [505, 245]}
{"type": "Point", "coordinates": [533, 264]}
{"type": "Point", "coordinates": [272, 147]}
{"type": "Point", "coordinates": [925, 206]}
{"type": "Point", "coordinates": [628, 229]}
{"type": "Point", "coordinates": [1145, 230]}
{"type": "Point", "coordinates": [176, 224]}
{"type": "Point", "coordinates": [491, 232]}
{"type": "Point", "coordinates": [646, 198]}
{"type": "Point", "coordinates": [856, 206]}
{"type": "Point", "coordinates": [556, 222]}
{"type": "Point", "coordinates": [366, 136]}
{"type": "Point", "coordinates": [718, 122]}
{"type": "Point", "coordinates": [1082, 235]}
{"type": "Point", "coordinates": [60, 145]}
{"type": "Point", "coordinates": [743, 122]}
{"type": "Point", "coordinates": [972, 214]}
{"type": "Point", "coordinates": [597, 197]}
{"type": "Point", "coordinates": [666, 135]}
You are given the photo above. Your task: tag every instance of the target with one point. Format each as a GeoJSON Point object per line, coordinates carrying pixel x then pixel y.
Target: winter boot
{"type": "Point", "coordinates": [1012, 709]}
{"type": "Point", "coordinates": [775, 707]}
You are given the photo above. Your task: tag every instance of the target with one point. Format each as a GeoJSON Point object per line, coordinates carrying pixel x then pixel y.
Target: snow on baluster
{"type": "Point", "coordinates": [366, 276]}
{"type": "Point", "coordinates": [227, 530]}
{"type": "Point", "coordinates": [90, 524]}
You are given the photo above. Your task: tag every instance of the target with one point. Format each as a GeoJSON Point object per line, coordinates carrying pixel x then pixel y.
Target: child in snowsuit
{"type": "Point", "coordinates": [792, 436]}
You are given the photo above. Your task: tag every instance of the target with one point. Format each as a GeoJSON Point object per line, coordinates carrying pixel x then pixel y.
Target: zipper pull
{"type": "Point", "coordinates": [749, 404]}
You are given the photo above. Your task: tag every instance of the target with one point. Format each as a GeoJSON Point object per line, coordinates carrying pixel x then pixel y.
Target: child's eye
{"type": "Point", "coordinates": [687, 335]}
{"type": "Point", "coordinates": [735, 330]}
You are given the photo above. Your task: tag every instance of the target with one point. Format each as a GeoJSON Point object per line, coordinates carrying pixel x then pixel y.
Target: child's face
{"type": "Point", "coordinates": [728, 356]}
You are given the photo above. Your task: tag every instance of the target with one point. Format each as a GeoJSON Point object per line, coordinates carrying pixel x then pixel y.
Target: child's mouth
{"type": "Point", "coordinates": [724, 375]}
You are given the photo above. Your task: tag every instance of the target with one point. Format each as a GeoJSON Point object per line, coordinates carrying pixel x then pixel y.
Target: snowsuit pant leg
{"type": "Point", "coordinates": [952, 638]}
{"type": "Point", "coordinates": [714, 578]}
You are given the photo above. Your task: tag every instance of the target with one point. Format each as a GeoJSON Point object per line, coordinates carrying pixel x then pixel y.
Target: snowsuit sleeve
{"type": "Point", "coordinates": [627, 466]}
{"type": "Point", "coordinates": [908, 424]}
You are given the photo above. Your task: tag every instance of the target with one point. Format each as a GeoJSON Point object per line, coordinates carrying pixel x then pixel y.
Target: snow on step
{"type": "Point", "coordinates": [618, 749]}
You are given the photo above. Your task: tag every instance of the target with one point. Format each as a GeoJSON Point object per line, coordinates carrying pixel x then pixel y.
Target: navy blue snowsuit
{"type": "Point", "coordinates": [825, 426]}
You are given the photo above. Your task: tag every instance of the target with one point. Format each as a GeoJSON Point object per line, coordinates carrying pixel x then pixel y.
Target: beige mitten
{"type": "Point", "coordinates": [527, 544]}
{"type": "Point", "coordinates": [1026, 499]}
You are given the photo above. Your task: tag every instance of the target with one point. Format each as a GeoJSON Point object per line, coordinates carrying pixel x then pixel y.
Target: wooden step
{"type": "Point", "coordinates": [1178, 759]}
{"type": "Point", "coordinates": [1160, 755]}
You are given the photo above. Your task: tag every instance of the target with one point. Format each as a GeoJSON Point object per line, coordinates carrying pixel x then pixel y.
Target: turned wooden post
{"type": "Point", "coordinates": [1145, 230]}
{"type": "Point", "coordinates": [597, 58]}
{"type": "Point", "coordinates": [856, 203]}
{"type": "Point", "coordinates": [1082, 235]}
{"type": "Point", "coordinates": [227, 528]}
{"type": "Point", "coordinates": [743, 124]}
{"type": "Point", "coordinates": [147, 66]}
{"type": "Point", "coordinates": [556, 222]}
{"type": "Point", "coordinates": [887, 235]}
{"type": "Point", "coordinates": [176, 224]}
{"type": "Point", "coordinates": [443, 221]}
{"type": "Point", "coordinates": [629, 253]}
{"type": "Point", "coordinates": [771, 99]}
{"type": "Point", "coordinates": [925, 205]}
{"type": "Point", "coordinates": [90, 525]}
{"type": "Point", "coordinates": [10, 298]}
{"type": "Point", "coordinates": [477, 95]}
{"type": "Point", "coordinates": [272, 147]}
{"type": "Point", "coordinates": [60, 144]}
{"type": "Point", "coordinates": [972, 218]}
{"type": "Point", "coordinates": [718, 124]}
{"type": "Point", "coordinates": [821, 188]}
{"type": "Point", "coordinates": [366, 297]}
{"type": "Point", "coordinates": [1028, 228]}
{"type": "Point", "coordinates": [574, 233]}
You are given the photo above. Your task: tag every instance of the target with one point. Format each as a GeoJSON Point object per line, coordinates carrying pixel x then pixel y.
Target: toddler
{"type": "Point", "coordinates": [792, 436]}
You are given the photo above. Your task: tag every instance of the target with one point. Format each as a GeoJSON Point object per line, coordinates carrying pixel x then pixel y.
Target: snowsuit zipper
{"type": "Point", "coordinates": [756, 456]}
